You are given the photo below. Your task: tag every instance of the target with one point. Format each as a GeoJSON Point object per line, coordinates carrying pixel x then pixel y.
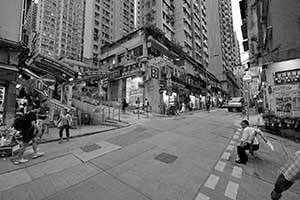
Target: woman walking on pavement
{"type": "Point", "coordinates": [64, 122]}
{"type": "Point", "coordinates": [207, 105]}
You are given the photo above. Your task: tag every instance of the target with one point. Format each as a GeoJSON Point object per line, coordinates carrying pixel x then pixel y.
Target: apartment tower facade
{"type": "Point", "coordinates": [60, 28]}
{"type": "Point", "coordinates": [222, 44]}
{"type": "Point", "coordinates": [182, 21]}
{"type": "Point", "coordinates": [105, 21]}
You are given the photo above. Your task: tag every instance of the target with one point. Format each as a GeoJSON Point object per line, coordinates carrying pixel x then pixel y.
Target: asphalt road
{"type": "Point", "coordinates": [163, 158]}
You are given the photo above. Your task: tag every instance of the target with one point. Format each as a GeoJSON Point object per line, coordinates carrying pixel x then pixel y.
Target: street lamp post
{"type": "Point", "coordinates": [247, 79]}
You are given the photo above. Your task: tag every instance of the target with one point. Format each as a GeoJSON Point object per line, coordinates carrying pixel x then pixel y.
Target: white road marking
{"type": "Point", "coordinates": [237, 172]}
{"type": "Point", "coordinates": [220, 166]}
{"type": "Point", "coordinates": [235, 137]}
{"type": "Point", "coordinates": [237, 133]}
{"type": "Point", "coordinates": [230, 147]}
{"type": "Point", "coordinates": [232, 142]}
{"type": "Point", "coordinates": [232, 190]}
{"type": "Point", "coordinates": [201, 196]}
{"type": "Point", "coordinates": [239, 129]}
{"type": "Point", "coordinates": [226, 156]}
{"type": "Point", "coordinates": [212, 181]}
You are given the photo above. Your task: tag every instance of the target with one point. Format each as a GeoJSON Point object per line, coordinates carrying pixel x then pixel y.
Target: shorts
{"type": "Point", "coordinates": [27, 135]}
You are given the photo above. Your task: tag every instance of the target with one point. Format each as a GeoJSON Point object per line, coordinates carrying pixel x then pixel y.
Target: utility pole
{"type": "Point", "coordinates": [247, 79]}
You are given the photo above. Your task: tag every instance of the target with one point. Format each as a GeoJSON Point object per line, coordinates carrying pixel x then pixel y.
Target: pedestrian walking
{"type": "Point", "coordinates": [42, 119]}
{"type": "Point", "coordinates": [124, 105]}
{"type": "Point", "coordinates": [289, 174]}
{"type": "Point", "coordinates": [182, 107]}
{"type": "Point", "coordinates": [29, 130]}
{"type": "Point", "coordinates": [207, 104]}
{"type": "Point", "coordinates": [64, 122]}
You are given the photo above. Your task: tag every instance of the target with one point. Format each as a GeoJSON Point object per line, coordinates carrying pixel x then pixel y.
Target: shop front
{"type": "Point", "coordinates": [283, 95]}
{"type": "Point", "coordinates": [8, 76]}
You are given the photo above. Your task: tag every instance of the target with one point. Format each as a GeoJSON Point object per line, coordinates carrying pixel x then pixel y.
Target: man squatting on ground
{"type": "Point", "coordinates": [249, 141]}
{"type": "Point", "coordinates": [288, 175]}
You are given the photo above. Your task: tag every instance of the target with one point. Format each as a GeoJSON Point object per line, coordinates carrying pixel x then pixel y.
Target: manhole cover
{"type": "Point", "coordinates": [89, 148]}
{"type": "Point", "coordinates": [166, 158]}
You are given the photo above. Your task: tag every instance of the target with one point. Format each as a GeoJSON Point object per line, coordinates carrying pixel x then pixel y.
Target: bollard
{"type": "Point", "coordinates": [147, 111]}
{"type": "Point", "coordinates": [108, 117]}
{"type": "Point", "coordinates": [103, 114]}
{"type": "Point", "coordinates": [119, 113]}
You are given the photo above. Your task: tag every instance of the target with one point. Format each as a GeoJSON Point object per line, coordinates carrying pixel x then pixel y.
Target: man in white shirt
{"type": "Point", "coordinates": [248, 138]}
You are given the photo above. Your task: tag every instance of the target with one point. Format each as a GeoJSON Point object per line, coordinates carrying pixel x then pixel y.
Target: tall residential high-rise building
{"type": "Point", "coordinates": [236, 50]}
{"type": "Point", "coordinates": [182, 21]}
{"type": "Point", "coordinates": [221, 44]}
{"type": "Point", "coordinates": [30, 25]}
{"type": "Point", "coordinates": [60, 28]}
{"type": "Point", "coordinates": [105, 21]}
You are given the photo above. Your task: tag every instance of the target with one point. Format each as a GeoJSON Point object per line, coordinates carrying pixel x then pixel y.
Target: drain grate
{"type": "Point", "coordinates": [89, 148]}
{"type": "Point", "coordinates": [166, 158]}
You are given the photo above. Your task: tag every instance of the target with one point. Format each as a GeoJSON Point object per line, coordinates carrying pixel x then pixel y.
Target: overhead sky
{"type": "Point", "coordinates": [237, 23]}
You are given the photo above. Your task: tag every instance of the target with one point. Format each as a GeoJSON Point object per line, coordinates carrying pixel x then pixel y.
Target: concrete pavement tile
{"type": "Point", "coordinates": [157, 180]}
{"type": "Point", "coordinates": [60, 196]}
{"type": "Point", "coordinates": [52, 166]}
{"type": "Point", "coordinates": [106, 147]}
{"type": "Point", "coordinates": [78, 173]}
{"type": "Point", "coordinates": [20, 192]}
{"type": "Point", "coordinates": [46, 186]}
{"type": "Point", "coordinates": [14, 178]}
{"type": "Point", "coordinates": [41, 187]}
{"type": "Point", "coordinates": [117, 157]}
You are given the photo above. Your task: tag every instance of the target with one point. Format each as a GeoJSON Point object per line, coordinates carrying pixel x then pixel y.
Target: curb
{"type": "Point", "coordinates": [85, 134]}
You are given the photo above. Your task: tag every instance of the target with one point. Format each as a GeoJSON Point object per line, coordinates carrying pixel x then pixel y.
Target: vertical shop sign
{"type": "Point", "coordinates": [2, 98]}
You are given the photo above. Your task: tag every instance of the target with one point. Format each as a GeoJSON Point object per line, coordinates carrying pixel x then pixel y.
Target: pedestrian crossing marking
{"type": "Point", "coordinates": [239, 129]}
{"type": "Point", "coordinates": [237, 133]}
{"type": "Point", "coordinates": [212, 181]}
{"type": "Point", "coordinates": [231, 190]}
{"type": "Point", "coordinates": [230, 147]}
{"type": "Point", "coordinates": [226, 156]}
{"type": "Point", "coordinates": [232, 142]}
{"type": "Point", "coordinates": [220, 166]}
{"type": "Point", "coordinates": [201, 196]}
{"type": "Point", "coordinates": [237, 172]}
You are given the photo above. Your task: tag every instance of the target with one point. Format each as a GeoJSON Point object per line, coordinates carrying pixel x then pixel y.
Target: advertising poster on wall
{"type": "Point", "coordinates": [287, 98]}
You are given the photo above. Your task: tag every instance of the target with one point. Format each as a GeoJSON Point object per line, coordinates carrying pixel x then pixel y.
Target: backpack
{"type": "Point", "coordinates": [20, 123]}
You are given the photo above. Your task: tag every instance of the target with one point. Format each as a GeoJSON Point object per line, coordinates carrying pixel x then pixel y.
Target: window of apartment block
{"type": "Point", "coordinates": [120, 57]}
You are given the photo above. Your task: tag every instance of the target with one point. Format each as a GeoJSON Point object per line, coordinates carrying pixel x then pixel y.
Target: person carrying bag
{"type": "Point", "coordinates": [64, 123]}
